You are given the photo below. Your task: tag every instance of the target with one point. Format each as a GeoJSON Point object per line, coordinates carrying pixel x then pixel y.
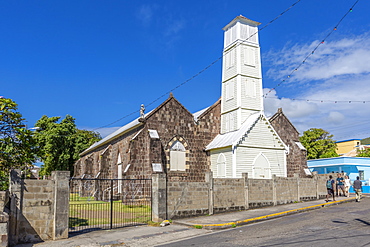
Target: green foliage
{"type": "Point", "coordinates": [364, 153]}
{"type": "Point", "coordinates": [198, 226]}
{"type": "Point", "coordinates": [4, 180]}
{"type": "Point", "coordinates": [319, 144]}
{"type": "Point", "coordinates": [17, 147]}
{"type": "Point", "coordinates": [60, 143]}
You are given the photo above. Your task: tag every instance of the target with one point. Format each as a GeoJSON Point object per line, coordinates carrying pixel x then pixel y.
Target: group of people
{"type": "Point", "coordinates": [340, 187]}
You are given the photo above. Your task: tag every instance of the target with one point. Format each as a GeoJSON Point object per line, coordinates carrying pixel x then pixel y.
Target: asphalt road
{"type": "Point", "coordinates": [347, 224]}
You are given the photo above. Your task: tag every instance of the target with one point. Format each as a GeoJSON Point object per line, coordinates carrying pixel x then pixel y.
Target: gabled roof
{"type": "Point", "coordinates": [136, 123]}
{"type": "Point", "coordinates": [124, 129]}
{"type": "Point", "coordinates": [199, 114]}
{"type": "Point", "coordinates": [232, 138]}
{"type": "Point", "coordinates": [280, 113]}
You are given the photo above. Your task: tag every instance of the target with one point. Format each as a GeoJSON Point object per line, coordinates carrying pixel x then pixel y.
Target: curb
{"type": "Point", "coordinates": [264, 217]}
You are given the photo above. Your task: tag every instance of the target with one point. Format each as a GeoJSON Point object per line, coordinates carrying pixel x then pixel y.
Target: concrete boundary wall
{"type": "Point", "coordinates": [38, 209]}
{"type": "Point", "coordinates": [4, 218]}
{"type": "Point", "coordinates": [217, 195]}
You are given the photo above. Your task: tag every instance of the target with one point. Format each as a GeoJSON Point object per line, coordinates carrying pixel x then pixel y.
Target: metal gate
{"type": "Point", "coordinates": [97, 204]}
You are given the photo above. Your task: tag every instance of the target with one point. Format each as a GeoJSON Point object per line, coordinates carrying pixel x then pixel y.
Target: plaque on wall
{"type": "Point", "coordinates": [157, 167]}
{"type": "Point", "coordinates": [308, 172]}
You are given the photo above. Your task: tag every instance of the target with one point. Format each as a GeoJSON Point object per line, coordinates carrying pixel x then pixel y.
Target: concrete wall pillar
{"type": "Point", "coordinates": [4, 219]}
{"type": "Point", "coordinates": [274, 198]}
{"type": "Point", "coordinates": [16, 202]}
{"type": "Point", "coordinates": [61, 203]}
{"type": "Point", "coordinates": [246, 190]}
{"type": "Point", "coordinates": [159, 197]}
{"type": "Point", "coordinates": [297, 179]}
{"type": "Point", "coordinates": [209, 180]}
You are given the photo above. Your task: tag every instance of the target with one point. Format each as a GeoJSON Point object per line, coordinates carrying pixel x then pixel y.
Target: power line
{"type": "Point", "coordinates": [204, 69]}
{"type": "Point", "coordinates": [314, 50]}
{"type": "Point", "coordinates": [323, 101]}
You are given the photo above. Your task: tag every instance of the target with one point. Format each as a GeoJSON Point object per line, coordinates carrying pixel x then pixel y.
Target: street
{"type": "Point", "coordinates": [347, 224]}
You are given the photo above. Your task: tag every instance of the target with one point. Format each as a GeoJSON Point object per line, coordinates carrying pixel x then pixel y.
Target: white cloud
{"type": "Point", "coordinates": [145, 13]}
{"type": "Point", "coordinates": [332, 85]}
{"type": "Point", "coordinates": [333, 58]}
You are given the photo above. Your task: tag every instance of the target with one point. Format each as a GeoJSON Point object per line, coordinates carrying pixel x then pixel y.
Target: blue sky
{"type": "Point", "coordinates": [100, 60]}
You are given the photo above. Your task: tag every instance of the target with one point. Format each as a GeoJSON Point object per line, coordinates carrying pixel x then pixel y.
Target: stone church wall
{"type": "Point", "coordinates": [296, 158]}
{"type": "Point", "coordinates": [138, 151]}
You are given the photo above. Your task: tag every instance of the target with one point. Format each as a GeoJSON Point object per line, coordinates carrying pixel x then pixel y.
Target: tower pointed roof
{"type": "Point", "coordinates": [241, 19]}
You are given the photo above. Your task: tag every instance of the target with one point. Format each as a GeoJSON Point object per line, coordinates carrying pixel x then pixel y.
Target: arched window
{"type": "Point", "coordinates": [261, 167]}
{"type": "Point", "coordinates": [177, 157]}
{"type": "Point", "coordinates": [221, 166]}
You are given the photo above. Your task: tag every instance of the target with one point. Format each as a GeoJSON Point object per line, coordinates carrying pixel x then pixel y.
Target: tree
{"type": "Point", "coordinates": [60, 143]}
{"type": "Point", "coordinates": [319, 144]}
{"type": "Point", "coordinates": [17, 147]}
{"type": "Point", "coordinates": [364, 153]}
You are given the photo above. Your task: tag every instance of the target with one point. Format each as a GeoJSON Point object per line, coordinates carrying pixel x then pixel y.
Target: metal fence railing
{"type": "Point", "coordinates": [108, 203]}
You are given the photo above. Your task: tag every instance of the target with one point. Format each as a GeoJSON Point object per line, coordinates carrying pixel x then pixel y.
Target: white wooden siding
{"type": "Point", "coordinates": [251, 65]}
{"type": "Point", "coordinates": [228, 157]}
{"type": "Point", "coordinates": [229, 104]}
{"type": "Point", "coordinates": [229, 63]}
{"type": "Point", "coordinates": [245, 157]}
{"type": "Point", "coordinates": [262, 135]}
{"type": "Point", "coordinates": [261, 139]}
{"type": "Point", "coordinates": [251, 100]}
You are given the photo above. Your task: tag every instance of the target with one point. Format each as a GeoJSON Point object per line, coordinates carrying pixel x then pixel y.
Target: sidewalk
{"type": "Point", "coordinates": [183, 228]}
{"type": "Point", "coordinates": [233, 219]}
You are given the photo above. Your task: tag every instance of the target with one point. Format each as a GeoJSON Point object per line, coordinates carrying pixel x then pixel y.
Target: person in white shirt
{"type": "Point", "coordinates": [347, 185]}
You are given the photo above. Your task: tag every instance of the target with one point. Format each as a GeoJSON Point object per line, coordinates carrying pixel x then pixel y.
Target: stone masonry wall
{"type": "Point", "coordinates": [173, 122]}
{"type": "Point", "coordinates": [296, 158]}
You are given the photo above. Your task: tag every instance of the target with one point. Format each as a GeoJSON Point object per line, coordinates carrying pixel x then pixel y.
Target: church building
{"type": "Point", "coordinates": [231, 137]}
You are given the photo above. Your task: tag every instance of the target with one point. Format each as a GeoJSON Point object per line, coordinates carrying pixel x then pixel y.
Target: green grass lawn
{"type": "Point", "coordinates": [85, 211]}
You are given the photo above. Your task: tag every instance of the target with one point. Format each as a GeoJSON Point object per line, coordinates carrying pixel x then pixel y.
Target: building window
{"type": "Point", "coordinates": [249, 56]}
{"type": "Point", "coordinates": [221, 166]}
{"type": "Point", "coordinates": [230, 59]}
{"type": "Point", "coordinates": [177, 157]}
{"type": "Point", "coordinates": [229, 90]}
{"type": "Point", "coordinates": [250, 88]}
{"type": "Point", "coordinates": [361, 175]}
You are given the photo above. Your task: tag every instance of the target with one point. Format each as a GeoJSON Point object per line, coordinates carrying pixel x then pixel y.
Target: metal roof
{"type": "Point", "coordinates": [358, 161]}
{"type": "Point", "coordinates": [232, 138]}
{"type": "Point", "coordinates": [124, 129]}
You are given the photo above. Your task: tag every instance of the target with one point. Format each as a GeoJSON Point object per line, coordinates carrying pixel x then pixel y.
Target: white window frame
{"type": "Point", "coordinates": [221, 166]}
{"type": "Point", "coordinates": [177, 157]}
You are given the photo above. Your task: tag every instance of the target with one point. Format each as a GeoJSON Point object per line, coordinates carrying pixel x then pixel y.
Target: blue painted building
{"type": "Point", "coordinates": [352, 166]}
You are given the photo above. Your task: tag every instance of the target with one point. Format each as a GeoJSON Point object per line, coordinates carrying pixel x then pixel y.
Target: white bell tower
{"type": "Point", "coordinates": [241, 73]}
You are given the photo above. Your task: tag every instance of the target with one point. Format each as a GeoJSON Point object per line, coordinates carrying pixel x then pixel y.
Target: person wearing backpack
{"type": "Point", "coordinates": [330, 188]}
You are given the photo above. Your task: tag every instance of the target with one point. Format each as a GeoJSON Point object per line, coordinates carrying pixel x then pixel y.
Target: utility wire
{"type": "Point", "coordinates": [314, 50]}
{"type": "Point", "coordinates": [201, 71]}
